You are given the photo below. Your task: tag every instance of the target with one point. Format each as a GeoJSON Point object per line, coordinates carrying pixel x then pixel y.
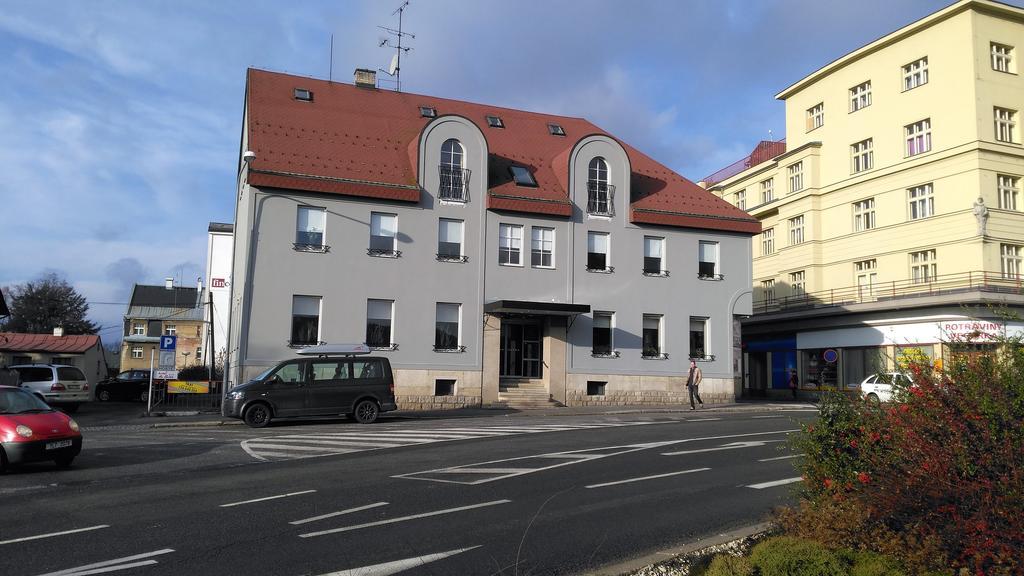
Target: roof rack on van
{"type": "Point", "coordinates": [335, 350]}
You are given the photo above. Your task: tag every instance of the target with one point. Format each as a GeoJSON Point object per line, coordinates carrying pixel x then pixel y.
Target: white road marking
{"type": "Point", "coordinates": [339, 513]}
{"type": "Point", "coordinates": [702, 420]}
{"type": "Point", "coordinates": [267, 498]}
{"type": "Point", "coordinates": [780, 458]}
{"type": "Point", "coordinates": [730, 446]}
{"type": "Point", "coordinates": [733, 436]}
{"type": "Point", "coordinates": [111, 565]}
{"type": "Point", "coordinates": [388, 568]}
{"type": "Point", "coordinates": [783, 482]}
{"type": "Point", "coordinates": [404, 518]}
{"type": "Point", "coordinates": [27, 538]}
{"type": "Point", "coordinates": [756, 417]}
{"type": "Point", "coordinates": [647, 478]}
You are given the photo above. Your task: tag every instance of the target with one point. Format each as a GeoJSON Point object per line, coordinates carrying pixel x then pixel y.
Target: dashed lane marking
{"type": "Point", "coordinates": [404, 518]}
{"type": "Point", "coordinates": [641, 479]}
{"type": "Point", "coordinates": [388, 568]}
{"type": "Point", "coordinates": [75, 531]}
{"type": "Point", "coordinates": [774, 483]}
{"type": "Point", "coordinates": [112, 565]}
{"type": "Point", "coordinates": [338, 513]}
{"type": "Point", "coordinates": [267, 498]}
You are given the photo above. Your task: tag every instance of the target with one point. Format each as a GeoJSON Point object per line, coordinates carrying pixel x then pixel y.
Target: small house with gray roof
{"type": "Point", "coordinates": [154, 311]}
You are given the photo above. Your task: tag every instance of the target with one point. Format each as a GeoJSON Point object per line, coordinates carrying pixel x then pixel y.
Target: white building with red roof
{"type": "Point", "coordinates": [85, 352]}
{"type": "Point", "coordinates": [495, 256]}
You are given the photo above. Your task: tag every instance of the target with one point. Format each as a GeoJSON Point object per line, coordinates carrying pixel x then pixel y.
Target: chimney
{"type": "Point", "coordinates": [199, 284]}
{"type": "Point", "coordinates": [58, 331]}
{"type": "Point", "coordinates": [169, 283]}
{"type": "Point", "coordinates": [366, 78]}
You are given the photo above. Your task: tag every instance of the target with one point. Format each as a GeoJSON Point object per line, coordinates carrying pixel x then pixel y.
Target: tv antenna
{"type": "Point", "coordinates": [395, 68]}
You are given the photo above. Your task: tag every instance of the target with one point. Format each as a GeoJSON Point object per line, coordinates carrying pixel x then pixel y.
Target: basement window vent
{"type": "Point", "coordinates": [522, 176]}
{"type": "Point", "coordinates": [303, 94]}
{"type": "Point", "coordinates": [556, 130]}
{"type": "Point", "coordinates": [444, 387]}
{"type": "Point", "coordinates": [495, 122]}
{"type": "Point", "coordinates": [595, 388]}
{"type": "Point", "coordinates": [428, 112]}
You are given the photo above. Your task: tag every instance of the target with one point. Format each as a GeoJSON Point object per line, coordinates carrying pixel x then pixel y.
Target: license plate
{"type": "Point", "coordinates": [58, 444]}
{"type": "Point", "coordinates": [73, 387]}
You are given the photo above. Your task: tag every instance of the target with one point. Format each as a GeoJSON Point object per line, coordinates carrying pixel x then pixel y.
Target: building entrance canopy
{"type": "Point", "coordinates": [525, 308]}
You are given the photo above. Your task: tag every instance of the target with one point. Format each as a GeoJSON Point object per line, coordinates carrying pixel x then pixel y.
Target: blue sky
{"type": "Point", "coordinates": [120, 120]}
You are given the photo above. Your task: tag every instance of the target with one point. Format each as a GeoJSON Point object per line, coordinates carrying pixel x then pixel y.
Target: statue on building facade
{"type": "Point", "coordinates": [981, 213]}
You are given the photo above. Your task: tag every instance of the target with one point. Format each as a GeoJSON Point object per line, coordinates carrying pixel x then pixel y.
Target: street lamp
{"type": "Point", "coordinates": [185, 354]}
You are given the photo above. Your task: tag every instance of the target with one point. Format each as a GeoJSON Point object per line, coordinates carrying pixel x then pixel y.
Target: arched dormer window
{"type": "Point", "coordinates": [454, 176]}
{"type": "Point", "coordinates": [600, 194]}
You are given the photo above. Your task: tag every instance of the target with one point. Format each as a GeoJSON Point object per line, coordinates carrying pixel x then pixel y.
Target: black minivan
{"type": "Point", "coordinates": [358, 386]}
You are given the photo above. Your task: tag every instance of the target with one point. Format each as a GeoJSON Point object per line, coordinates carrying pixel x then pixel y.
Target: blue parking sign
{"type": "Point", "coordinates": [168, 342]}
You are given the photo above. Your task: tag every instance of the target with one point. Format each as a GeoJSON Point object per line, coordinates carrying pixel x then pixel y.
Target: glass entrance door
{"type": "Point", "coordinates": [522, 349]}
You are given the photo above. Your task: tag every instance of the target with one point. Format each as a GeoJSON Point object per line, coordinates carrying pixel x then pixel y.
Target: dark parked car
{"type": "Point", "coordinates": [360, 387]}
{"type": "Point", "coordinates": [128, 385]}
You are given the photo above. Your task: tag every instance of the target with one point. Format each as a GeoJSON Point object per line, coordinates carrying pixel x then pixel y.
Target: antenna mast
{"type": "Point", "coordinates": [395, 69]}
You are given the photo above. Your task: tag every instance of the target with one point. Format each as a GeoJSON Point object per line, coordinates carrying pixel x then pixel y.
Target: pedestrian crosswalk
{"type": "Point", "coordinates": [318, 444]}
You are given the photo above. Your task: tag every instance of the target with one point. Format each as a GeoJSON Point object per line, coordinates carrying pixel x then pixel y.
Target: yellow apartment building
{"type": "Point", "coordinates": [892, 213]}
{"type": "Point", "coordinates": [156, 311]}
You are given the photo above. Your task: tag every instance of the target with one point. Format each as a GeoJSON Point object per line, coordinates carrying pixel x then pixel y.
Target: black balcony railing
{"type": "Point", "coordinates": [600, 198]}
{"type": "Point", "coordinates": [938, 285]}
{"type": "Point", "coordinates": [454, 184]}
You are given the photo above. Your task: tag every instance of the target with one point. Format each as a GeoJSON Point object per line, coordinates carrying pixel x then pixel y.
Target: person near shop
{"type": "Point", "coordinates": [794, 382]}
{"type": "Point", "coordinates": [693, 381]}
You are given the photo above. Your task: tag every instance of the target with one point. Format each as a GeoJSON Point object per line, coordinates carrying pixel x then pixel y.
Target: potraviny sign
{"type": "Point", "coordinates": [910, 334]}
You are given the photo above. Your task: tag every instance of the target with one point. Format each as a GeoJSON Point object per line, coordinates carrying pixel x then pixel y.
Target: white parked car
{"type": "Point", "coordinates": [64, 387]}
{"type": "Point", "coordinates": [877, 388]}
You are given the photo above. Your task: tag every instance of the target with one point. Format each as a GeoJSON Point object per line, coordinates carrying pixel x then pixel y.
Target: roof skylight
{"type": "Point", "coordinates": [556, 130]}
{"type": "Point", "coordinates": [428, 112]}
{"type": "Point", "coordinates": [495, 122]}
{"type": "Point", "coordinates": [522, 176]}
{"type": "Point", "coordinates": [303, 94]}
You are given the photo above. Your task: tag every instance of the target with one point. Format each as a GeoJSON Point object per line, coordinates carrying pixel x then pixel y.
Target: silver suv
{"type": "Point", "coordinates": [63, 386]}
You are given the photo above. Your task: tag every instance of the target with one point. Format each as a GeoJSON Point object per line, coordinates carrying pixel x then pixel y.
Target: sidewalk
{"type": "Point", "coordinates": [133, 415]}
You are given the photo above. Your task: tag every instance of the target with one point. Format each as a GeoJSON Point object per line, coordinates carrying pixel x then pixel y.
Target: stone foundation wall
{"type": "Point", "coordinates": [414, 389]}
{"type": "Point", "coordinates": [645, 390]}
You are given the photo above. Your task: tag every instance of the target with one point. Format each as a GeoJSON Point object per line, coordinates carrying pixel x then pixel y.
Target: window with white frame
{"type": "Point", "coordinates": [305, 320]}
{"type": "Point", "coordinates": [1008, 187]}
{"type": "Point", "coordinates": [383, 234]}
{"type": "Point", "coordinates": [1011, 260]}
{"type": "Point", "coordinates": [542, 252]}
{"type": "Point", "coordinates": [379, 323]}
{"type": "Point", "coordinates": [741, 199]}
{"type": "Point", "coordinates": [796, 177]}
{"type": "Point", "coordinates": [768, 291]}
{"type": "Point", "coordinates": [653, 342]}
{"type": "Point", "coordinates": [447, 335]}
{"type": "Point", "coordinates": [199, 353]}
{"type": "Point", "coordinates": [449, 239]}
{"type": "Point", "coordinates": [767, 190]}
{"type": "Point", "coordinates": [1005, 124]}
{"type": "Point", "coordinates": [864, 215]}
{"type": "Point", "coordinates": [707, 259]}
{"type": "Point", "coordinates": [918, 137]}
{"type": "Point", "coordinates": [796, 230]}
{"type": "Point", "coordinates": [309, 229]}
{"type": "Point", "coordinates": [1002, 57]}
{"type": "Point", "coordinates": [138, 329]}
{"type": "Point", "coordinates": [798, 283]}
{"type": "Point", "coordinates": [862, 156]}
{"type": "Point", "coordinates": [654, 255]}
{"type": "Point", "coordinates": [866, 272]}
{"type": "Point", "coordinates": [510, 244]}
{"type": "Point", "coordinates": [170, 329]}
{"type": "Point", "coordinates": [816, 116]}
{"type": "Point", "coordinates": [698, 338]}
{"type": "Point", "coordinates": [602, 343]}
{"type": "Point", "coordinates": [860, 96]}
{"type": "Point", "coordinates": [768, 242]}
{"type": "Point", "coordinates": [136, 352]}
{"type": "Point", "coordinates": [922, 266]}
{"type": "Point", "coordinates": [454, 176]}
{"type": "Point", "coordinates": [597, 251]}
{"type": "Point", "coordinates": [915, 74]}
{"type": "Point", "coordinates": [922, 201]}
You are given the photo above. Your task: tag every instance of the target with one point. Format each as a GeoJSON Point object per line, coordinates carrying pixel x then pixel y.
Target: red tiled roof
{"type": "Point", "coordinates": [14, 342]}
{"type": "Point", "coordinates": [363, 142]}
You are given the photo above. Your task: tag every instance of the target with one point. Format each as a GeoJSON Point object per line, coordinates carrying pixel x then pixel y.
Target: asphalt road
{"type": "Point", "coordinates": [510, 495]}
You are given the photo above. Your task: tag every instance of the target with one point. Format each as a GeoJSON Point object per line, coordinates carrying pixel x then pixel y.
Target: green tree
{"type": "Point", "coordinates": [39, 306]}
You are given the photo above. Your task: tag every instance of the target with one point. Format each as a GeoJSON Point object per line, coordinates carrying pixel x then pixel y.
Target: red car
{"type": "Point", "coordinates": [31, 431]}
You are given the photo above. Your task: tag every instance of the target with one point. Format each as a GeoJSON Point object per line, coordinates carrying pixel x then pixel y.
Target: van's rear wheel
{"type": "Point", "coordinates": [257, 415]}
{"type": "Point", "coordinates": [366, 412]}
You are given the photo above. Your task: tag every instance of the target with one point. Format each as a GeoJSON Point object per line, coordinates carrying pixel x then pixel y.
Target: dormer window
{"type": "Point", "coordinates": [303, 94]}
{"type": "Point", "coordinates": [522, 176]}
{"type": "Point", "coordinates": [600, 194]}
{"type": "Point", "coordinates": [556, 130]}
{"type": "Point", "coordinates": [495, 122]}
{"type": "Point", "coordinates": [428, 112]}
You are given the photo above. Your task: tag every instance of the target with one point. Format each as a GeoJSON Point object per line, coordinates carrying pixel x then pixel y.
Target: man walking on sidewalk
{"type": "Point", "coordinates": [692, 382]}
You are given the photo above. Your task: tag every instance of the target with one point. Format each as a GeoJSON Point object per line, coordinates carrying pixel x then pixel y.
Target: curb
{"type": "Point", "coordinates": [652, 563]}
